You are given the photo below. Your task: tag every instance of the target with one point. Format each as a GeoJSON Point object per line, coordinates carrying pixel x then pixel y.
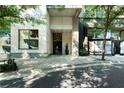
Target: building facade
{"type": "Point", "coordinates": [59, 35]}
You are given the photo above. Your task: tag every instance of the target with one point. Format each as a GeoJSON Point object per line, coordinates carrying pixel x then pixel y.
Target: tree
{"type": "Point", "coordinates": [111, 13]}
{"type": "Point", "coordinates": [108, 15]}
{"type": "Point", "coordinates": [12, 14]}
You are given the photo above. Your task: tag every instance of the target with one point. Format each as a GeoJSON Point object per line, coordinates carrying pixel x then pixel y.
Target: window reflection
{"type": "Point", "coordinates": [96, 38]}
{"type": "Point", "coordinates": [122, 47]}
{"type": "Point", "coordinates": [28, 39]}
{"type": "Point", "coordinates": [95, 47]}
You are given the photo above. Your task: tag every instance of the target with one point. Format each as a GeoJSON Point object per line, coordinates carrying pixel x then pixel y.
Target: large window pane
{"type": "Point", "coordinates": [28, 39]}
{"type": "Point", "coordinates": [116, 36]}
{"type": "Point", "coordinates": [122, 47]}
{"type": "Point", "coordinates": [122, 35]}
{"type": "Point", "coordinates": [99, 33]}
{"type": "Point", "coordinates": [23, 35]}
{"type": "Point", "coordinates": [96, 47]}
{"type": "Point", "coordinates": [108, 47]}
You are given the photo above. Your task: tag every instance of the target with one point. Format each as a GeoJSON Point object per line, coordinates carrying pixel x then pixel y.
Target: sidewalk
{"type": "Point", "coordinates": [42, 66]}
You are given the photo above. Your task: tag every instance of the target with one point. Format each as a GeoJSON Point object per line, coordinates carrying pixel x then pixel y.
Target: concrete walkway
{"type": "Point", "coordinates": [31, 69]}
{"type": "Point", "coordinates": [44, 65]}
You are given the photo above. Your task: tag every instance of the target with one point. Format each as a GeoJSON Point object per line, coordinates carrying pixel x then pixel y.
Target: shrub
{"type": "Point", "coordinates": [83, 52]}
{"type": "Point", "coordinates": [10, 66]}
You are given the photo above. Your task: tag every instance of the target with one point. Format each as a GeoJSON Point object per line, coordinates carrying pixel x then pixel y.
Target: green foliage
{"type": "Point", "coordinates": [83, 52]}
{"type": "Point", "coordinates": [95, 31]}
{"type": "Point", "coordinates": [12, 14]}
{"type": "Point", "coordinates": [93, 11]}
{"type": "Point", "coordinates": [106, 17]}
{"type": "Point", "coordinates": [4, 32]}
{"type": "Point", "coordinates": [7, 15]}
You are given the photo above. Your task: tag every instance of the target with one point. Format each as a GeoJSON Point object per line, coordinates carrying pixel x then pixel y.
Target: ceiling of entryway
{"type": "Point", "coordinates": [66, 12]}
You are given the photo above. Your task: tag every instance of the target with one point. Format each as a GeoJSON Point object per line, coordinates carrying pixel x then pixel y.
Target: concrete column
{"type": "Point", "coordinates": [75, 38]}
{"type": "Point", "coordinates": [75, 43]}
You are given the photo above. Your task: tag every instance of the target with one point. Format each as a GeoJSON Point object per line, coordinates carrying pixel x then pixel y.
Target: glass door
{"type": "Point", "coordinates": [57, 43]}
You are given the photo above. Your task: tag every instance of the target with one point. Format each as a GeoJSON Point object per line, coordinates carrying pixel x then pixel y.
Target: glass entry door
{"type": "Point", "coordinates": [57, 43]}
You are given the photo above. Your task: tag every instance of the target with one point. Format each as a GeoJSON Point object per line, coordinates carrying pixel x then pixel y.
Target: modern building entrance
{"type": "Point", "coordinates": [57, 43]}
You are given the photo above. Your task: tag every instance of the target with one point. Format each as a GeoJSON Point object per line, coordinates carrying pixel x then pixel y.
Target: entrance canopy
{"type": "Point", "coordinates": [64, 12]}
{"type": "Point", "coordinates": [63, 18]}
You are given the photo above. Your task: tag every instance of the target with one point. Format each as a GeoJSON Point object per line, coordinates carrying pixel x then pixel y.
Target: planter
{"type": "Point", "coordinates": [10, 65]}
{"type": "Point", "coordinates": [66, 49]}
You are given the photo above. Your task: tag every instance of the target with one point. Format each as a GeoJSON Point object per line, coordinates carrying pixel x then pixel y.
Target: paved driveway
{"type": "Point", "coordinates": [33, 69]}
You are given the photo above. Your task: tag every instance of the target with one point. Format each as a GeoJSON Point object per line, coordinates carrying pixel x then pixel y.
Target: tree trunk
{"type": "Point", "coordinates": [104, 43]}
{"type": "Point", "coordinates": [106, 29]}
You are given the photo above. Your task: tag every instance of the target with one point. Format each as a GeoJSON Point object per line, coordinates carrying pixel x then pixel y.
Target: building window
{"type": "Point", "coordinates": [28, 39]}
{"type": "Point", "coordinates": [96, 38]}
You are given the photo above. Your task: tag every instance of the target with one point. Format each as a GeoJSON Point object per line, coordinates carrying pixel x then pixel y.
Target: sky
{"type": "Point", "coordinates": [37, 13]}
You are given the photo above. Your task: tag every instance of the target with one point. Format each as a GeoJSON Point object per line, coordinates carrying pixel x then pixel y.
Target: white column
{"type": "Point", "coordinates": [75, 38]}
